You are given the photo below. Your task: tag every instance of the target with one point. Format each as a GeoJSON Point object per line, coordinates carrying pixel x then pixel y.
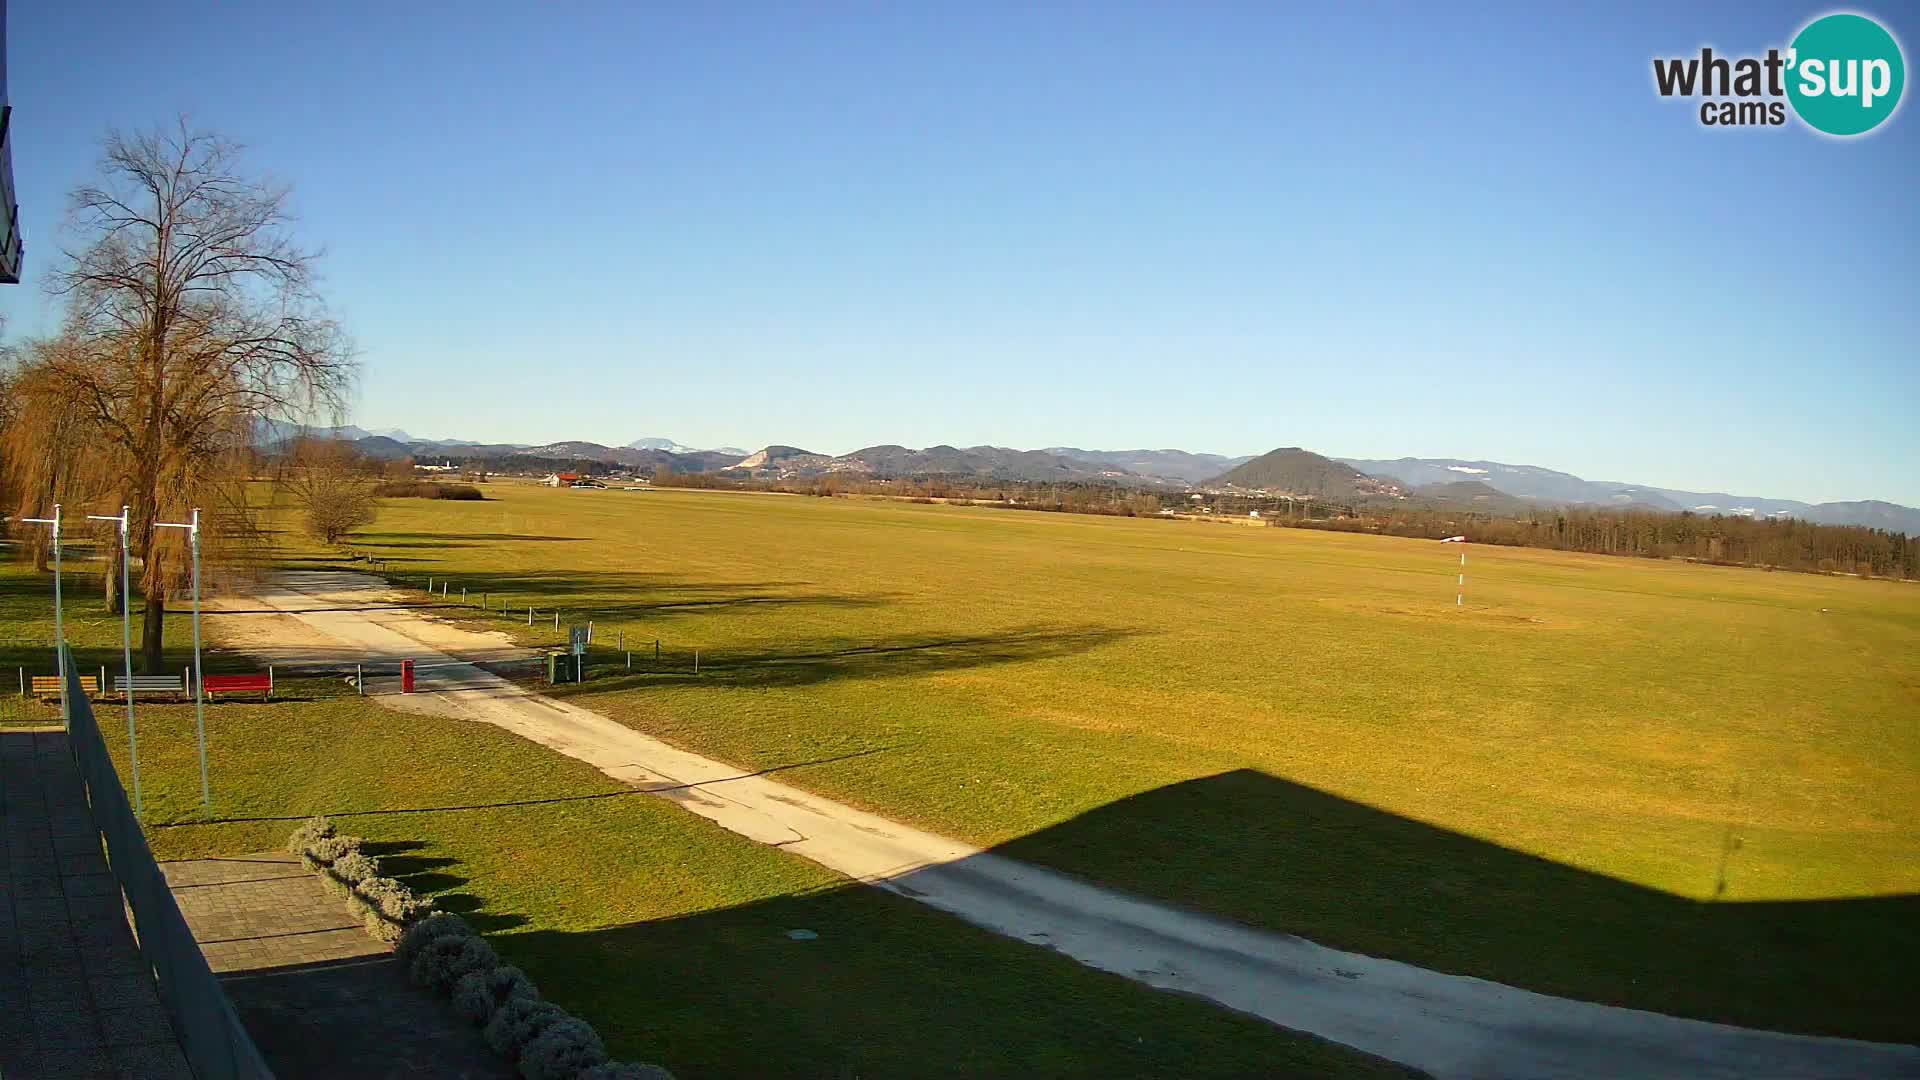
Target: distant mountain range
{"type": "Point", "coordinates": [1548, 487]}
{"type": "Point", "coordinates": [1486, 486]}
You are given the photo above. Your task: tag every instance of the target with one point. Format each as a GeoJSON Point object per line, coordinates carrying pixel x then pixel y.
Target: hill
{"type": "Point", "coordinates": [1293, 471]}
{"type": "Point", "coordinates": [1168, 466]}
{"type": "Point", "coordinates": [1547, 487]}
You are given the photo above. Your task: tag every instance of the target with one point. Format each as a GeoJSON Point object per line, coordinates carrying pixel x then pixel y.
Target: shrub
{"type": "Point", "coordinates": [427, 489]}
{"type": "Point", "coordinates": [353, 868]}
{"type": "Point", "coordinates": [311, 831]}
{"type": "Point", "coordinates": [440, 924]}
{"type": "Point", "coordinates": [441, 963]}
{"type": "Point", "coordinates": [517, 1022]}
{"type": "Point", "coordinates": [479, 993]}
{"type": "Point", "coordinates": [324, 851]}
{"type": "Point", "coordinates": [387, 907]}
{"type": "Point", "coordinates": [620, 1070]}
{"type": "Point", "coordinates": [561, 1051]}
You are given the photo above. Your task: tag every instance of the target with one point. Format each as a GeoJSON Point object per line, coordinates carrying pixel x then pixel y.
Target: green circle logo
{"type": "Point", "coordinates": [1845, 74]}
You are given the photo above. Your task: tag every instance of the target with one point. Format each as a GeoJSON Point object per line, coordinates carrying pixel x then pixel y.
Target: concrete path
{"type": "Point", "coordinates": [75, 998]}
{"type": "Point", "coordinates": [320, 996]}
{"type": "Point", "coordinates": [1447, 1025]}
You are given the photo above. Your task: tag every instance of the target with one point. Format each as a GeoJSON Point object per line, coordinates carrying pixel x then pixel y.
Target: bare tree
{"type": "Point", "coordinates": [191, 319]}
{"type": "Point", "coordinates": [334, 486]}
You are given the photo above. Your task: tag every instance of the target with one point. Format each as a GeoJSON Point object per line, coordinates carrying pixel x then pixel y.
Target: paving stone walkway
{"type": "Point", "coordinates": [75, 998]}
{"type": "Point", "coordinates": [321, 997]}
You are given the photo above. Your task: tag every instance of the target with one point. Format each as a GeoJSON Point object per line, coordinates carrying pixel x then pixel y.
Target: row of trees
{"type": "Point", "coordinates": [190, 318]}
{"type": "Point", "coordinates": [1783, 543]}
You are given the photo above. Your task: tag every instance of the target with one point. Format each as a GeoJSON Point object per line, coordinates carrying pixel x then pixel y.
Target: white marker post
{"type": "Point", "coordinates": [126, 649]}
{"type": "Point", "coordinates": [1460, 596]}
{"type": "Point", "coordinates": [59, 621]}
{"type": "Point", "coordinates": [199, 682]}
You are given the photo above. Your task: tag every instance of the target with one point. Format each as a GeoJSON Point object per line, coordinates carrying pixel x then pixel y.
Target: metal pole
{"type": "Point", "coordinates": [59, 621]}
{"type": "Point", "coordinates": [199, 678]}
{"type": "Point", "coordinates": [126, 651]}
{"type": "Point", "coordinates": [359, 681]}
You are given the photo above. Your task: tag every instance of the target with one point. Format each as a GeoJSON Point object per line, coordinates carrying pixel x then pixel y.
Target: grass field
{"type": "Point", "coordinates": [665, 931]}
{"type": "Point", "coordinates": [1683, 788]}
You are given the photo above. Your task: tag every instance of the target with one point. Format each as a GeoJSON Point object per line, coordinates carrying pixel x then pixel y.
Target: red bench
{"type": "Point", "coordinates": [240, 684]}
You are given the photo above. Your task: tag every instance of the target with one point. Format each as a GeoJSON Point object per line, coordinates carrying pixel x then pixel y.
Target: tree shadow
{"type": "Point", "coordinates": [808, 664]}
{"type": "Point", "coordinates": [610, 596]}
{"type": "Point", "coordinates": [433, 539]}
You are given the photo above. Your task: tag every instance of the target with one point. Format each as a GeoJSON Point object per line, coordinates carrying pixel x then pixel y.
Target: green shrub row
{"type": "Point", "coordinates": [444, 954]}
{"type": "Point", "coordinates": [383, 904]}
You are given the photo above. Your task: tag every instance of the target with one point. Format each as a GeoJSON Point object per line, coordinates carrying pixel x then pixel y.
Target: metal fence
{"type": "Point", "coordinates": [215, 1043]}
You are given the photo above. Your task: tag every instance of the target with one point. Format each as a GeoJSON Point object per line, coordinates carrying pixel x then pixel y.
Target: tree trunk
{"type": "Point", "coordinates": [151, 631]}
{"type": "Point", "coordinates": [115, 602]}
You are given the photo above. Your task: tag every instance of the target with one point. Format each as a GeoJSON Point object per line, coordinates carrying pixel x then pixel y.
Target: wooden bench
{"type": "Point", "coordinates": [48, 686]}
{"type": "Point", "coordinates": [240, 684]}
{"type": "Point", "coordinates": [164, 685]}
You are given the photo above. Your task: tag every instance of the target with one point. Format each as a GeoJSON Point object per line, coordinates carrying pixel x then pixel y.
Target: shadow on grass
{"type": "Point", "coordinates": [808, 664]}
{"type": "Point", "coordinates": [610, 596]}
{"type": "Point", "coordinates": [434, 539]}
{"type": "Point", "coordinates": [881, 987]}
{"type": "Point", "coordinates": [1288, 857]}
{"type": "Point", "coordinates": [619, 793]}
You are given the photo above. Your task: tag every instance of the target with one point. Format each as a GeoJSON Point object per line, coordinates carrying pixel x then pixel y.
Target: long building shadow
{"type": "Point", "coordinates": [1265, 852]}
{"type": "Point", "coordinates": [1284, 856]}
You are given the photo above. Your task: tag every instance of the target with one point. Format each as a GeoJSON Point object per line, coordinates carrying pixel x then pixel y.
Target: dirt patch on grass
{"type": "Point", "coordinates": [1492, 618]}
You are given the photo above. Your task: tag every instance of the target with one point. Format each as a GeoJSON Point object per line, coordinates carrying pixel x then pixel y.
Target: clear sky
{"type": "Point", "coordinates": [1370, 230]}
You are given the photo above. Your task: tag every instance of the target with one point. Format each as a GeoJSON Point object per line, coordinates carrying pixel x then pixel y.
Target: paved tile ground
{"type": "Point", "coordinates": [253, 912]}
{"type": "Point", "coordinates": [321, 997]}
{"type": "Point", "coordinates": [75, 998]}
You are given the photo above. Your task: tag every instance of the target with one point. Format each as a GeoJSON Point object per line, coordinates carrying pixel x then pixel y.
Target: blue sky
{"type": "Point", "coordinates": [1370, 230]}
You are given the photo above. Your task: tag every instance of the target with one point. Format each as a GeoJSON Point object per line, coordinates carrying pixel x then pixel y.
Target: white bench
{"type": "Point", "coordinates": [174, 685]}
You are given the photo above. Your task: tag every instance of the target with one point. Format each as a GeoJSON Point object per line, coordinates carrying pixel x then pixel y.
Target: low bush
{"type": "Point", "coordinates": [478, 993]}
{"type": "Point", "coordinates": [310, 832]}
{"type": "Point", "coordinates": [440, 924]}
{"type": "Point", "coordinates": [388, 907]}
{"type": "Point", "coordinates": [519, 1021]}
{"type": "Point", "coordinates": [353, 868]}
{"type": "Point", "coordinates": [324, 852]}
{"type": "Point", "coordinates": [427, 489]}
{"type": "Point", "coordinates": [441, 963]}
{"type": "Point", "coordinates": [620, 1070]}
{"type": "Point", "coordinates": [561, 1051]}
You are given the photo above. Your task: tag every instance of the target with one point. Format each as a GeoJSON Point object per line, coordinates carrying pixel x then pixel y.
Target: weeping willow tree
{"type": "Point", "coordinates": [191, 321]}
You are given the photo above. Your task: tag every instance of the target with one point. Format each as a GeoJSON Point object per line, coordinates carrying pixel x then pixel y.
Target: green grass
{"type": "Point", "coordinates": [669, 933]}
{"type": "Point", "coordinates": [1677, 787]}
{"type": "Point", "coordinates": [665, 931]}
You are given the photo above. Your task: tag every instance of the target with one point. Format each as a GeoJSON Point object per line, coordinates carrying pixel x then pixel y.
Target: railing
{"type": "Point", "coordinates": [216, 1045]}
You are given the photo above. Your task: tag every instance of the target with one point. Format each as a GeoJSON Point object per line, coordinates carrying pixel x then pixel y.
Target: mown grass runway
{"type": "Point", "coordinates": [1677, 787]}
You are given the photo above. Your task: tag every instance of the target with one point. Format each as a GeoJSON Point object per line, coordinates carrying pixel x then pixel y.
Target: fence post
{"type": "Point", "coordinates": [269, 682]}
{"type": "Point", "coordinates": [463, 594]}
{"type": "Point", "coordinates": [429, 584]}
{"type": "Point", "coordinates": [629, 659]}
{"type": "Point", "coordinates": [359, 681]}
{"type": "Point", "coordinates": [529, 616]}
{"type": "Point", "coordinates": [23, 682]}
{"type": "Point", "coordinates": [656, 650]}
{"type": "Point", "coordinates": [556, 620]}
{"type": "Point", "coordinates": [696, 661]}
{"type": "Point", "coordinates": [622, 642]}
